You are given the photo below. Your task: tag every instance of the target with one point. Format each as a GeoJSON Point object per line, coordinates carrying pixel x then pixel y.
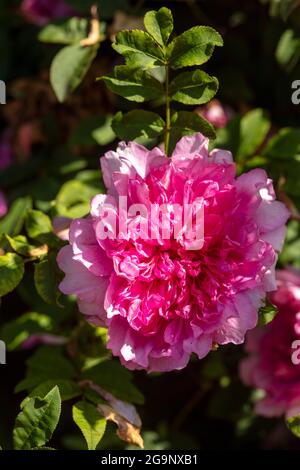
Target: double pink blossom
{"type": "Point", "coordinates": [273, 364]}
{"type": "Point", "coordinates": [160, 301]}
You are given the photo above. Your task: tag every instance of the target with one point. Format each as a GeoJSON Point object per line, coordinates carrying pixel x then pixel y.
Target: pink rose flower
{"type": "Point", "coordinates": [269, 365]}
{"type": "Point", "coordinates": [216, 113]}
{"type": "Point", "coordinates": [160, 300]}
{"type": "Point", "coordinates": [3, 204]}
{"type": "Point", "coordinates": [40, 12]}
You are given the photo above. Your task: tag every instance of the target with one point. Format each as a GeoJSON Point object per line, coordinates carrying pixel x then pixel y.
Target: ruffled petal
{"type": "Point", "coordinates": [86, 248]}
{"type": "Point", "coordinates": [190, 146]}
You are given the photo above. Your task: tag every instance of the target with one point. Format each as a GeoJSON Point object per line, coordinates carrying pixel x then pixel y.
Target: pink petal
{"type": "Point", "coordinates": [221, 156]}
{"type": "Point", "coordinates": [189, 146]}
{"type": "Point", "coordinates": [131, 159]}
{"type": "Point", "coordinates": [86, 248]}
{"type": "Point", "coordinates": [271, 215]}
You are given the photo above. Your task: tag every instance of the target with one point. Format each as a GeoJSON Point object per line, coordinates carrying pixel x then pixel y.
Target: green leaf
{"type": "Point", "coordinates": [73, 199]}
{"type": "Point", "coordinates": [68, 389]}
{"type": "Point", "coordinates": [267, 314]}
{"type": "Point", "coordinates": [138, 48]}
{"type": "Point", "coordinates": [44, 188]}
{"type": "Point", "coordinates": [194, 87]}
{"type": "Point", "coordinates": [15, 332]}
{"type": "Point", "coordinates": [285, 144]}
{"type": "Point", "coordinates": [159, 24]}
{"type": "Point", "coordinates": [142, 126]}
{"type": "Point", "coordinates": [293, 424]}
{"type": "Point", "coordinates": [11, 272]}
{"type": "Point", "coordinates": [291, 250]}
{"type": "Point", "coordinates": [90, 177]}
{"type": "Point", "coordinates": [290, 170]}
{"type": "Point", "coordinates": [47, 277]}
{"type": "Point", "coordinates": [67, 31]}
{"type": "Point", "coordinates": [28, 294]}
{"type": "Point", "coordinates": [134, 84]}
{"type": "Point", "coordinates": [50, 363]}
{"type": "Point", "coordinates": [288, 50]}
{"type": "Point", "coordinates": [214, 367]}
{"type": "Point", "coordinates": [90, 422]}
{"type": "Point", "coordinates": [95, 129]}
{"type": "Point", "coordinates": [187, 123]}
{"type": "Point", "coordinates": [37, 421]}
{"type": "Point", "coordinates": [229, 137]}
{"type": "Point", "coordinates": [254, 127]}
{"type": "Point", "coordinates": [46, 363]}
{"type": "Point", "coordinates": [38, 226]}
{"type": "Point", "coordinates": [104, 134]}
{"type": "Point", "coordinates": [30, 382]}
{"type": "Point", "coordinates": [20, 245]}
{"type": "Point", "coordinates": [193, 47]}
{"type": "Point", "coordinates": [114, 378]}
{"type": "Point", "coordinates": [93, 396]}
{"type": "Point", "coordinates": [12, 223]}
{"type": "Point", "coordinates": [69, 68]}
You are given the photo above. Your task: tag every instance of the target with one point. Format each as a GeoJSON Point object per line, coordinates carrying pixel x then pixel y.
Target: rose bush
{"type": "Point", "coordinates": [147, 293]}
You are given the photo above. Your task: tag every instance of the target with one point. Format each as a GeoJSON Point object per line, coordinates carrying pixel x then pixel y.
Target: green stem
{"type": "Point", "coordinates": [168, 113]}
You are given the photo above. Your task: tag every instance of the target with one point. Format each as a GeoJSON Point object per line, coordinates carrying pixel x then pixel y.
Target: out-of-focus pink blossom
{"type": "Point", "coordinates": [6, 159]}
{"type": "Point", "coordinates": [270, 366]}
{"type": "Point", "coordinates": [216, 113]}
{"type": "Point", "coordinates": [3, 204]}
{"type": "Point", "coordinates": [43, 338]}
{"type": "Point", "coordinates": [160, 300]}
{"type": "Point", "coordinates": [40, 12]}
{"type": "Point", "coordinates": [28, 135]}
{"type": "Point", "coordinates": [6, 155]}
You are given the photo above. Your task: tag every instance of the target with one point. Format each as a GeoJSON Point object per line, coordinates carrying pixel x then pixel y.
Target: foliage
{"type": "Point", "coordinates": [151, 57]}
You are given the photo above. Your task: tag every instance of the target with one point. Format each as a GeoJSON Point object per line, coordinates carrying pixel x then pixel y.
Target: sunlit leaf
{"type": "Point", "coordinates": [195, 87]}
{"type": "Point", "coordinates": [138, 48]}
{"type": "Point", "coordinates": [187, 123]}
{"type": "Point", "coordinates": [12, 223]}
{"type": "Point", "coordinates": [37, 421]}
{"type": "Point", "coordinates": [142, 126]}
{"type": "Point", "coordinates": [159, 24]}
{"type": "Point", "coordinates": [47, 277]}
{"type": "Point", "coordinates": [133, 84]}
{"type": "Point", "coordinates": [193, 47]}
{"type": "Point", "coordinates": [69, 68]}
{"type": "Point", "coordinates": [11, 272]}
{"type": "Point", "coordinates": [67, 31]}
{"type": "Point", "coordinates": [90, 422]}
